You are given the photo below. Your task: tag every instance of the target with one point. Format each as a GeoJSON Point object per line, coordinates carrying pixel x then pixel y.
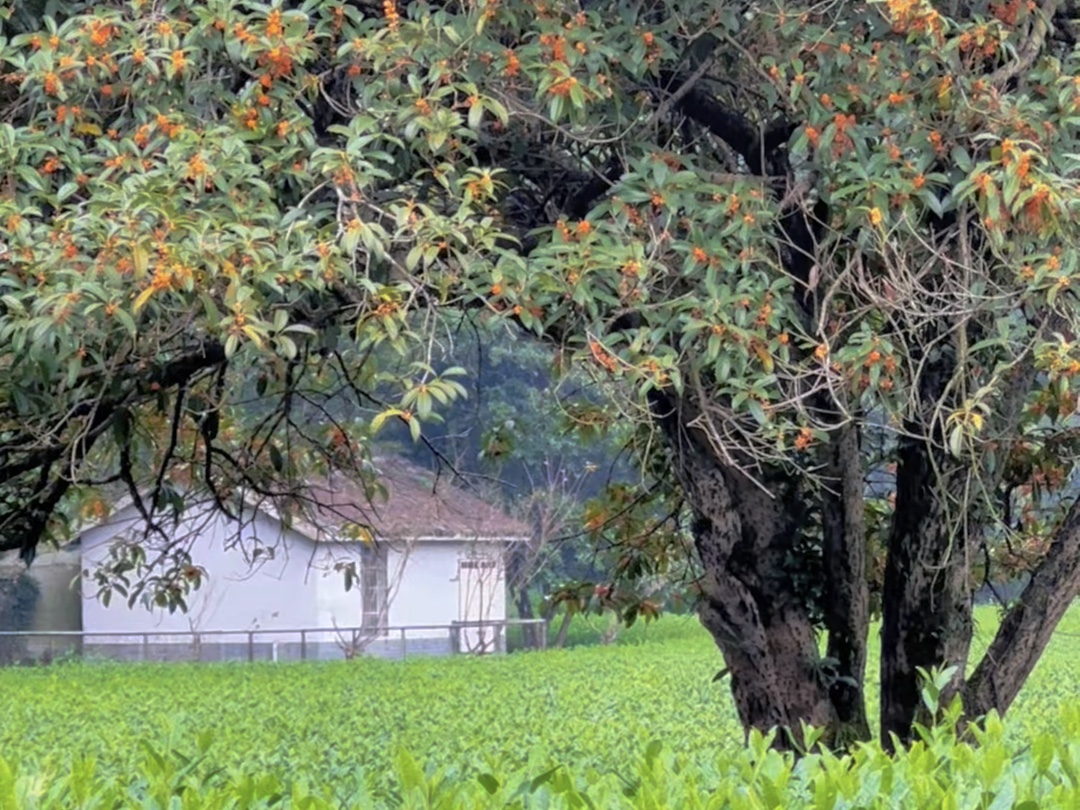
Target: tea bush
{"type": "Point", "coordinates": [638, 724]}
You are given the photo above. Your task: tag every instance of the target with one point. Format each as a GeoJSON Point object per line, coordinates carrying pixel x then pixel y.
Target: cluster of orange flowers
{"type": "Point", "coordinates": [803, 440]}
{"type": "Point", "coordinates": [142, 136]}
{"type": "Point", "coordinates": [100, 33]}
{"type": "Point", "coordinates": [652, 47]}
{"type": "Point", "coordinates": [980, 42]}
{"type": "Point", "coordinates": [513, 64]}
{"type": "Point", "coordinates": [1009, 12]}
{"type": "Point", "coordinates": [556, 44]}
{"type": "Point", "coordinates": [242, 35]}
{"type": "Point", "coordinates": [563, 86]}
{"type": "Point", "coordinates": [1037, 207]}
{"type": "Point", "coordinates": [601, 355]}
{"type": "Point", "coordinates": [163, 279]}
{"type": "Point", "coordinates": [196, 167]}
{"type": "Point", "coordinates": [63, 111]}
{"type": "Point", "coordinates": [842, 142]}
{"type": "Point", "coordinates": [653, 369]}
{"type": "Point", "coordinates": [386, 309]}
{"type": "Point", "coordinates": [393, 19]}
{"type": "Point", "coordinates": [278, 63]}
{"type": "Point", "coordinates": [273, 24]}
{"type": "Point", "coordinates": [480, 189]}
{"type": "Point", "coordinates": [915, 15]}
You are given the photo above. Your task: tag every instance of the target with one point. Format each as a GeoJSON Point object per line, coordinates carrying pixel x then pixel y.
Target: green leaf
{"type": "Point", "coordinates": [8, 797]}
{"type": "Point", "coordinates": [489, 783]}
{"type": "Point", "coordinates": [409, 771]}
{"type": "Point", "coordinates": [543, 779]}
{"type": "Point", "coordinates": [65, 191]}
{"type": "Point", "coordinates": [476, 115]}
{"type": "Point", "coordinates": [276, 459]}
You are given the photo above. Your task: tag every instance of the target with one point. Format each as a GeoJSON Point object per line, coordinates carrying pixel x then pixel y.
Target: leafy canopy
{"type": "Point", "coordinates": [219, 217]}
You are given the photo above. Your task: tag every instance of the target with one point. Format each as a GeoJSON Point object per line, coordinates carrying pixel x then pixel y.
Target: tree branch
{"type": "Point", "coordinates": [1031, 48]}
{"type": "Point", "coordinates": [1029, 624]}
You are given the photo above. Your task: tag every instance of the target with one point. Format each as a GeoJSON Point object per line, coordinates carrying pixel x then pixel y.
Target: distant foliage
{"type": "Point", "coordinates": [18, 600]}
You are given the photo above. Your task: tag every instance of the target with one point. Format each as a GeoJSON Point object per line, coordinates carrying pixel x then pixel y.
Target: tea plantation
{"type": "Point", "coordinates": [636, 724]}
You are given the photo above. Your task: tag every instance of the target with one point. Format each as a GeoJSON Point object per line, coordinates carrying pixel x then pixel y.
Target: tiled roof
{"type": "Point", "coordinates": [419, 504]}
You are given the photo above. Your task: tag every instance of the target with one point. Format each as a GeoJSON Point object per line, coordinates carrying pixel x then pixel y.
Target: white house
{"type": "Point", "coordinates": [430, 558]}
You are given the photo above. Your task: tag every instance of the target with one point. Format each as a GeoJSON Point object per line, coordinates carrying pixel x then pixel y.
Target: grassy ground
{"type": "Point", "coordinates": [596, 707]}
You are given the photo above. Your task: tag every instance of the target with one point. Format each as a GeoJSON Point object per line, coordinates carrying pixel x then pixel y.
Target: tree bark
{"type": "Point", "coordinates": [744, 531]}
{"type": "Point", "coordinates": [847, 596]}
{"type": "Point", "coordinates": [927, 599]}
{"type": "Point", "coordinates": [764, 632]}
{"type": "Point", "coordinates": [1023, 635]}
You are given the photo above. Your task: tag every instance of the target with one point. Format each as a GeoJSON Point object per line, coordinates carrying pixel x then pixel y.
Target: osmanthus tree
{"type": "Point", "coordinates": [815, 242]}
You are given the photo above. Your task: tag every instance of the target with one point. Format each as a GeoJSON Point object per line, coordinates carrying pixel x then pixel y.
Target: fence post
{"type": "Point", "coordinates": [251, 646]}
{"type": "Point", "coordinates": [145, 645]}
{"type": "Point", "coordinates": [404, 645]}
{"type": "Point", "coordinates": [543, 634]}
{"type": "Point", "coordinates": [303, 645]}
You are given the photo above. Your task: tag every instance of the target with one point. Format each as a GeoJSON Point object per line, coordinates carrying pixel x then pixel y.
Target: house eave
{"type": "Point", "coordinates": [465, 538]}
{"type": "Point", "coordinates": [431, 538]}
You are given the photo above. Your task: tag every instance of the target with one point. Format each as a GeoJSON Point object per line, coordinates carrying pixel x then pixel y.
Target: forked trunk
{"type": "Point", "coordinates": [746, 530]}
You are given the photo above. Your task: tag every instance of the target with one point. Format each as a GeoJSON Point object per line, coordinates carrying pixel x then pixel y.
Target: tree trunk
{"type": "Point", "coordinates": [927, 599]}
{"type": "Point", "coordinates": [765, 634]}
{"type": "Point", "coordinates": [1029, 624]}
{"type": "Point", "coordinates": [744, 531]}
{"type": "Point", "coordinates": [564, 628]}
{"type": "Point", "coordinates": [523, 600]}
{"type": "Point", "coordinates": [847, 597]}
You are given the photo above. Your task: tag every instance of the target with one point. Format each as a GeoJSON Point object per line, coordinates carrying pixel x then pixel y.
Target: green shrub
{"type": "Point", "coordinates": [638, 724]}
{"type": "Point", "coordinates": [937, 771]}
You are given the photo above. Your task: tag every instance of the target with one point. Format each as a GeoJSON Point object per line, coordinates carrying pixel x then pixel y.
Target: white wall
{"type": "Point", "coordinates": [298, 588]}
{"type": "Point", "coordinates": [335, 606]}
{"type": "Point", "coordinates": [277, 593]}
{"type": "Point", "coordinates": [429, 589]}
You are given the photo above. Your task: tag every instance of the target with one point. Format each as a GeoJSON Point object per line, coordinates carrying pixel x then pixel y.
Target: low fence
{"type": "Point", "coordinates": [300, 644]}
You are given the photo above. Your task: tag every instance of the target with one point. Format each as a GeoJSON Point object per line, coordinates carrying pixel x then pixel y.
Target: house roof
{"type": "Point", "coordinates": [418, 504]}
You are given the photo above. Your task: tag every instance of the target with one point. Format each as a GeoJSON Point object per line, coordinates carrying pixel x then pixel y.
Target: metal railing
{"type": "Point", "coordinates": [303, 643]}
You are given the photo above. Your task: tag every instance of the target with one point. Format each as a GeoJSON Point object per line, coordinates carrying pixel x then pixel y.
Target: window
{"type": "Point", "coordinates": [472, 565]}
{"type": "Point", "coordinates": [373, 590]}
